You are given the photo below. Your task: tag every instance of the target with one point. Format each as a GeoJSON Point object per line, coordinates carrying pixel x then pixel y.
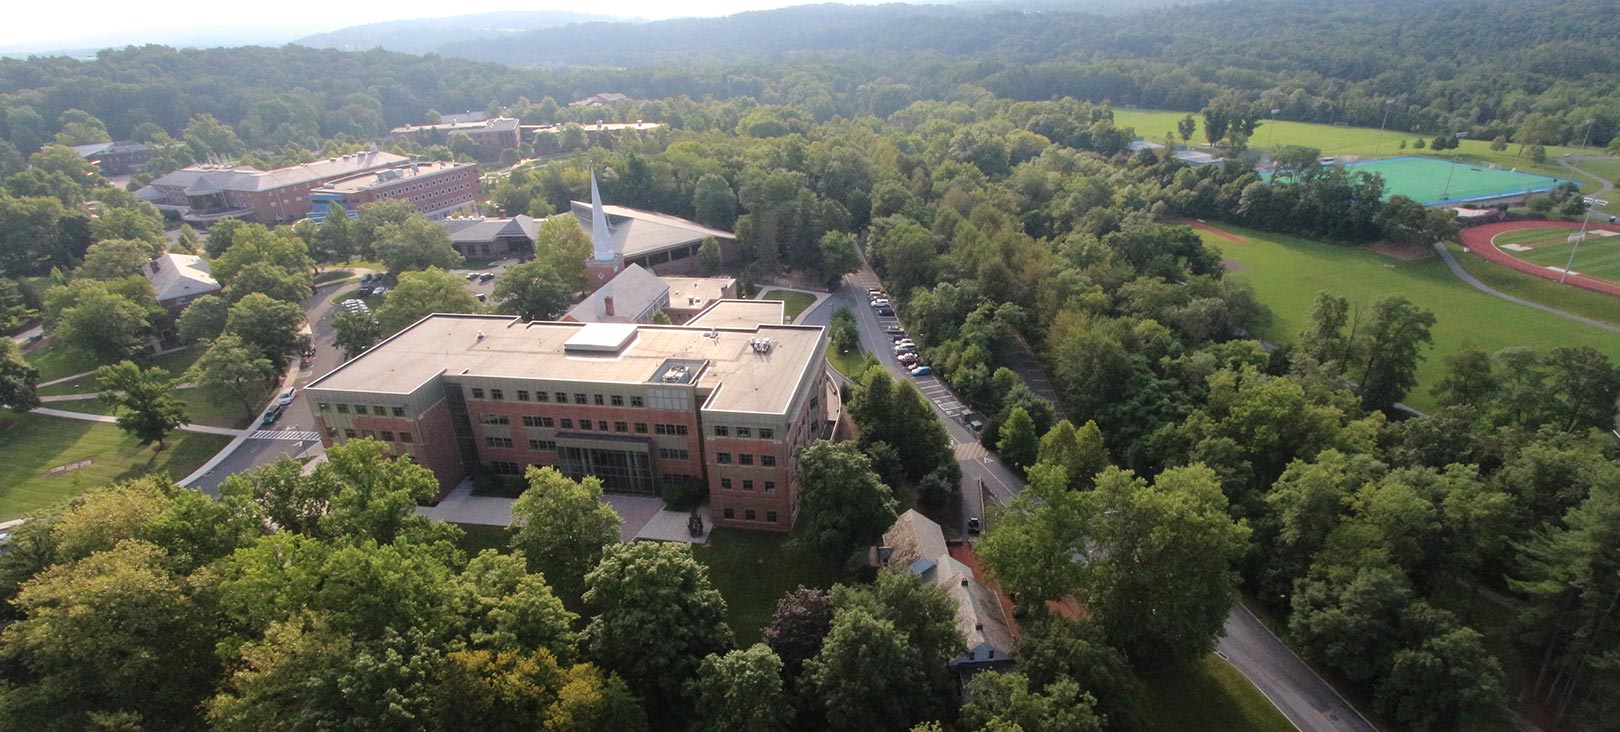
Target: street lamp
{"type": "Point", "coordinates": [1586, 218]}
{"type": "Point", "coordinates": [1588, 137]}
{"type": "Point", "coordinates": [1381, 126]}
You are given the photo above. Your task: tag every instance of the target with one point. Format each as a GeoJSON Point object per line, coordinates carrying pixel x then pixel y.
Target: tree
{"type": "Point", "coordinates": [1019, 444]}
{"type": "Point", "coordinates": [1060, 649]}
{"type": "Point", "coordinates": [709, 258]}
{"type": "Point", "coordinates": [356, 331]}
{"type": "Point", "coordinates": [844, 332]}
{"type": "Point", "coordinates": [1032, 549]}
{"type": "Point", "coordinates": [132, 224]}
{"type": "Point", "coordinates": [420, 294]}
{"type": "Point", "coordinates": [80, 128]}
{"type": "Point", "coordinates": [372, 218]}
{"type": "Point", "coordinates": [1080, 453]}
{"type": "Point", "coordinates": [536, 290]}
{"type": "Point", "coordinates": [1161, 593]}
{"type": "Point", "coordinates": [741, 691]}
{"type": "Point", "coordinates": [228, 368]}
{"type": "Point", "coordinates": [279, 283]}
{"type": "Point", "coordinates": [498, 691]}
{"type": "Point", "coordinates": [98, 319]}
{"type": "Point", "coordinates": [1342, 615]}
{"type": "Point", "coordinates": [561, 525]}
{"type": "Point", "coordinates": [268, 327]}
{"type": "Point", "coordinates": [1004, 701]}
{"type": "Point", "coordinates": [864, 674]}
{"type": "Point", "coordinates": [373, 495]}
{"type": "Point", "coordinates": [799, 624]}
{"type": "Point", "coordinates": [503, 606]}
{"type": "Point", "coordinates": [115, 259]}
{"type": "Point", "coordinates": [655, 617]}
{"type": "Point", "coordinates": [1448, 682]}
{"type": "Point", "coordinates": [1390, 351]}
{"type": "Point", "coordinates": [838, 256]}
{"type": "Point", "coordinates": [336, 239]}
{"type": "Point", "coordinates": [592, 701]}
{"type": "Point", "coordinates": [147, 408]}
{"type": "Point", "coordinates": [204, 319]}
{"type": "Point", "coordinates": [18, 379]}
{"type": "Point", "coordinates": [1185, 127]}
{"type": "Point", "coordinates": [843, 506]}
{"type": "Point", "coordinates": [415, 244]}
{"type": "Point", "coordinates": [123, 604]}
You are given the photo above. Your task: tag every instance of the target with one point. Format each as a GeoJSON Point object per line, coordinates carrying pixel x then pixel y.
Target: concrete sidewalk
{"type": "Point", "coordinates": [644, 517]}
{"type": "Point", "coordinates": [205, 429]}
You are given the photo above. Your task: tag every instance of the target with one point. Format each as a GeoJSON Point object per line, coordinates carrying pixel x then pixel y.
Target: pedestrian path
{"type": "Point", "coordinates": [107, 419]}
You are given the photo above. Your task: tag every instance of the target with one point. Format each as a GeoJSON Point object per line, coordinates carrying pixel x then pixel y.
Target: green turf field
{"type": "Point", "coordinates": [1430, 181]}
{"type": "Point", "coordinates": [1597, 256]}
{"type": "Point", "coordinates": [1535, 289]}
{"type": "Point", "coordinates": [1287, 272]}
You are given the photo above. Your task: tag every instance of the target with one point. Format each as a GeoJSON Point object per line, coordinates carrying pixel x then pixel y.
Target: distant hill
{"type": "Point", "coordinates": [428, 35]}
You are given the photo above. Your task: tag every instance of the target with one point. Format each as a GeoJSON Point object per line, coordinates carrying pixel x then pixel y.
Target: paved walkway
{"type": "Point", "coordinates": [644, 516]}
{"type": "Point", "coordinates": [1462, 274]}
{"type": "Point", "coordinates": [205, 429]}
{"type": "Point", "coordinates": [23, 337]}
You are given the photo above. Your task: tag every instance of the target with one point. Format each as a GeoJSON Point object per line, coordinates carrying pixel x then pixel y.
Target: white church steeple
{"type": "Point", "coordinates": [601, 238]}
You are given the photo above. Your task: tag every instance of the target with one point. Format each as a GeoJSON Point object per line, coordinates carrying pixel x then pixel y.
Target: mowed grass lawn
{"type": "Point", "coordinates": [753, 569]}
{"type": "Point", "coordinates": [1359, 141]}
{"type": "Point", "coordinates": [203, 407]}
{"type": "Point", "coordinates": [848, 364]}
{"type": "Point", "coordinates": [1535, 289]}
{"type": "Point", "coordinates": [31, 444]}
{"type": "Point", "coordinates": [1207, 696]}
{"type": "Point", "coordinates": [793, 301]}
{"type": "Point", "coordinates": [1597, 256]}
{"type": "Point", "coordinates": [1287, 272]}
{"type": "Point", "coordinates": [63, 361]}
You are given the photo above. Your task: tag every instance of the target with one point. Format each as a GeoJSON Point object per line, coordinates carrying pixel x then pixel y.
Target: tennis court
{"type": "Point", "coordinates": [1430, 181]}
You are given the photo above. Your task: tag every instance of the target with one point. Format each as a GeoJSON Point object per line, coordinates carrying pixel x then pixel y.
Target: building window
{"type": "Point", "coordinates": [596, 399]}
{"type": "Point", "coordinates": [504, 467]}
{"type": "Point", "coordinates": [770, 486]}
{"type": "Point", "coordinates": [494, 419]}
{"type": "Point", "coordinates": [323, 406]}
{"type": "Point", "coordinates": [562, 398]}
{"type": "Point", "coordinates": [379, 411]}
{"type": "Point", "coordinates": [405, 437]}
{"type": "Point", "coordinates": [343, 409]}
{"type": "Point", "coordinates": [744, 432]}
{"type": "Point", "coordinates": [723, 458]}
{"type": "Point", "coordinates": [523, 395]}
{"type": "Point", "coordinates": [731, 514]}
{"type": "Point", "coordinates": [674, 453]}
{"type": "Point", "coordinates": [766, 433]}
{"type": "Point", "coordinates": [601, 425]}
{"type": "Point", "coordinates": [399, 411]}
{"type": "Point", "coordinates": [585, 425]}
{"type": "Point", "coordinates": [721, 430]}
{"type": "Point", "coordinates": [746, 458]}
{"type": "Point", "coordinates": [542, 396]}
{"type": "Point", "coordinates": [641, 428]}
{"type": "Point", "coordinates": [770, 516]}
{"type": "Point", "coordinates": [637, 402]}
{"type": "Point", "coordinates": [498, 441]}
{"type": "Point", "coordinates": [617, 400]}
{"type": "Point", "coordinates": [579, 398]}
{"type": "Point", "coordinates": [478, 392]}
{"type": "Point", "coordinates": [567, 423]}
{"type": "Point", "coordinates": [497, 394]}
{"type": "Point", "coordinates": [748, 514]}
{"type": "Point", "coordinates": [359, 409]}
{"type": "Point", "coordinates": [546, 445]}
{"type": "Point", "coordinates": [621, 426]}
{"type": "Point", "coordinates": [387, 436]}
{"type": "Point", "coordinates": [748, 485]}
{"type": "Point", "coordinates": [768, 461]}
{"type": "Point", "coordinates": [725, 484]}
{"type": "Point", "coordinates": [349, 433]}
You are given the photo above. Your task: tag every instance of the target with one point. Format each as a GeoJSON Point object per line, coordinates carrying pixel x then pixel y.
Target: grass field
{"type": "Point", "coordinates": [1359, 141]}
{"type": "Point", "coordinates": [752, 569]}
{"type": "Point", "coordinates": [1536, 289]}
{"type": "Point", "coordinates": [793, 301]}
{"type": "Point", "coordinates": [1208, 696]}
{"type": "Point", "coordinates": [1597, 256]}
{"type": "Point", "coordinates": [31, 444]}
{"type": "Point", "coordinates": [848, 364]}
{"type": "Point", "coordinates": [203, 408]}
{"type": "Point", "coordinates": [1287, 272]}
{"type": "Point", "coordinates": [175, 362]}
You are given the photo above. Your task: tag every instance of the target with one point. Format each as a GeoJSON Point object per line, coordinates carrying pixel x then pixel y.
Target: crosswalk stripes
{"type": "Point", "coordinates": [971, 451]}
{"type": "Point", "coordinates": [285, 435]}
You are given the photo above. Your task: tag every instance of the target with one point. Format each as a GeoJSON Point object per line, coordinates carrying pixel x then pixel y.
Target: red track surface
{"type": "Point", "coordinates": [1477, 239]}
{"type": "Point", "coordinates": [1222, 233]}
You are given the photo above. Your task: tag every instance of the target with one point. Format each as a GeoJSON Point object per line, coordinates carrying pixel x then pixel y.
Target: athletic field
{"type": "Point", "coordinates": [1598, 256]}
{"type": "Point", "coordinates": [1429, 181]}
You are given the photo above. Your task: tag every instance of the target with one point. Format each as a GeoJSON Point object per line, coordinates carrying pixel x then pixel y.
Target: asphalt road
{"type": "Point", "coordinates": [1302, 696]}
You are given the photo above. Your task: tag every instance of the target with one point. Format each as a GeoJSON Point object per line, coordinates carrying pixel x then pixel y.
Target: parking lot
{"type": "Point", "coordinates": [930, 386]}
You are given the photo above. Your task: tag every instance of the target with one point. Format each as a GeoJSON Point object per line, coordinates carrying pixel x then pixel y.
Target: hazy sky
{"type": "Point", "coordinates": [81, 23]}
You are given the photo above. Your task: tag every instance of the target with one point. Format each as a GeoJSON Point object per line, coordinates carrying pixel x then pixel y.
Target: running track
{"type": "Point", "coordinates": [1477, 239]}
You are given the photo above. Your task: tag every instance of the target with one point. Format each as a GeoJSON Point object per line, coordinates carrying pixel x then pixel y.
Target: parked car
{"type": "Point", "coordinates": [894, 330]}
{"type": "Point", "coordinates": [286, 397]}
{"type": "Point", "coordinates": [905, 343]}
{"type": "Point", "coordinates": [472, 276]}
{"type": "Point", "coordinates": [481, 296]}
{"type": "Point", "coordinates": [973, 526]}
{"type": "Point", "coordinates": [881, 302]}
{"type": "Point", "coordinates": [271, 415]}
{"type": "Point", "coordinates": [886, 311]}
{"type": "Point", "coordinates": [908, 359]}
{"type": "Point", "coordinates": [365, 277]}
{"type": "Point", "coordinates": [378, 291]}
{"type": "Point", "coordinates": [922, 371]}
{"type": "Point", "coordinates": [873, 292]}
{"type": "Point", "coordinates": [487, 276]}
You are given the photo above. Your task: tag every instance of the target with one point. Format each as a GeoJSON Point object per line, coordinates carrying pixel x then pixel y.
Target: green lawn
{"type": "Point", "coordinates": [752, 569]}
{"type": "Point", "coordinates": [1608, 170]}
{"type": "Point", "coordinates": [175, 362]}
{"type": "Point", "coordinates": [793, 301]}
{"type": "Point", "coordinates": [1208, 696]}
{"type": "Point", "coordinates": [848, 364]}
{"type": "Point", "coordinates": [54, 361]}
{"type": "Point", "coordinates": [31, 444]}
{"type": "Point", "coordinates": [1359, 141]}
{"type": "Point", "coordinates": [204, 408]}
{"type": "Point", "coordinates": [1287, 272]}
{"type": "Point", "coordinates": [1535, 289]}
{"type": "Point", "coordinates": [1597, 256]}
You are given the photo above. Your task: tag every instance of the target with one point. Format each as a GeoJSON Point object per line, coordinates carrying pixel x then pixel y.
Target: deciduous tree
{"type": "Point", "coordinates": [147, 406]}
{"type": "Point", "coordinates": [561, 525]}
{"type": "Point", "coordinates": [843, 506]}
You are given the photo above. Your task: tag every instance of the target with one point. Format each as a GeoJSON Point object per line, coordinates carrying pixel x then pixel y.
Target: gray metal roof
{"type": "Point", "coordinates": [633, 290]}
{"type": "Point", "coordinates": [480, 230]}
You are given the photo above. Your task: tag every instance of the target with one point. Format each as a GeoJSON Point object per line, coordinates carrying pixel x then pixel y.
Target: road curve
{"type": "Point", "coordinates": [1296, 690]}
{"type": "Point", "coordinates": [1462, 274]}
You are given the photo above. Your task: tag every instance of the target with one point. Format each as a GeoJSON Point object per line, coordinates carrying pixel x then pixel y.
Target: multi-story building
{"type": "Point", "coordinates": [116, 158]}
{"type": "Point", "coordinates": [477, 237]}
{"type": "Point", "coordinates": [203, 194]}
{"type": "Point", "coordinates": [436, 189]}
{"type": "Point", "coordinates": [638, 406]}
{"type": "Point", "coordinates": [493, 136]}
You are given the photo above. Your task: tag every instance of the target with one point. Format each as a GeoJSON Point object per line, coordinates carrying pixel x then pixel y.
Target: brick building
{"type": "Point", "coordinates": [116, 158]}
{"type": "Point", "coordinates": [493, 136]}
{"type": "Point", "coordinates": [638, 406]}
{"type": "Point", "coordinates": [203, 194]}
{"type": "Point", "coordinates": [436, 189]}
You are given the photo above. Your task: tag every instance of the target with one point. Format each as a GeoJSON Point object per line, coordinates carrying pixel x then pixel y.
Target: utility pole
{"type": "Point", "coordinates": [1381, 125]}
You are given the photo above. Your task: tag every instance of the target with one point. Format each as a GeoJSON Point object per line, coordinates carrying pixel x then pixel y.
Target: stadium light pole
{"type": "Point", "coordinates": [1273, 131]}
{"type": "Point", "coordinates": [1588, 137]}
{"type": "Point", "coordinates": [1381, 125]}
{"type": "Point", "coordinates": [1445, 195]}
{"type": "Point", "coordinates": [1586, 218]}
